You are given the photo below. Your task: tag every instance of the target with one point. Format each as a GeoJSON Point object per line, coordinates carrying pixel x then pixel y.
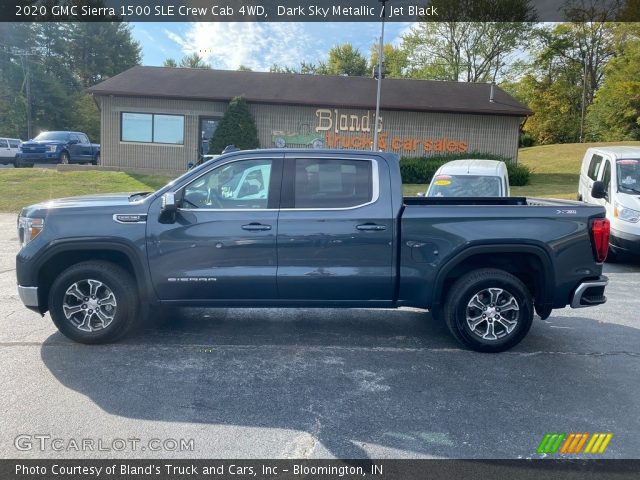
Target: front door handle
{"type": "Point", "coordinates": [255, 227]}
{"type": "Point", "coordinates": [371, 227]}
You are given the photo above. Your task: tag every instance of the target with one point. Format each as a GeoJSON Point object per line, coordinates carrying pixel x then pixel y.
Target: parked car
{"type": "Point", "coordinates": [309, 228]}
{"type": "Point", "coordinates": [470, 178]}
{"type": "Point", "coordinates": [58, 147]}
{"type": "Point", "coordinates": [615, 173]}
{"type": "Point", "coordinates": [8, 150]}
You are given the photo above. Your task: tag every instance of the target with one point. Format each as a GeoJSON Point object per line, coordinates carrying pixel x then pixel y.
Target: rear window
{"type": "Point", "coordinates": [465, 186]}
{"type": "Point", "coordinates": [321, 183]}
{"type": "Point", "coordinates": [594, 167]}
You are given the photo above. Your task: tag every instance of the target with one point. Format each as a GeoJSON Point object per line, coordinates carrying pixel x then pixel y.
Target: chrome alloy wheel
{"type": "Point", "coordinates": [492, 313]}
{"type": "Point", "coordinates": [89, 305]}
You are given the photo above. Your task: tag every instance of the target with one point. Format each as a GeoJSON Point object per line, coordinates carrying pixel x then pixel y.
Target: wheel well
{"type": "Point", "coordinates": [50, 270]}
{"type": "Point", "coordinates": [527, 267]}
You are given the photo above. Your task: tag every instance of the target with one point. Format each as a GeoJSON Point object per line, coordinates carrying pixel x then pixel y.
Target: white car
{"type": "Point", "coordinates": [615, 172]}
{"type": "Point", "coordinates": [9, 148]}
{"type": "Point", "coordinates": [470, 178]}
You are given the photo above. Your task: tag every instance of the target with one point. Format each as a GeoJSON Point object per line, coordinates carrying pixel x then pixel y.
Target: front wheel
{"type": "Point", "coordinates": [96, 160]}
{"type": "Point", "coordinates": [489, 310]}
{"type": "Point", "coordinates": [64, 158]}
{"type": "Point", "coordinates": [93, 302]}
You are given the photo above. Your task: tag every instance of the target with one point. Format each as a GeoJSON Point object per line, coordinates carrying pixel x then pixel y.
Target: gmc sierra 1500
{"type": "Point", "coordinates": [309, 228]}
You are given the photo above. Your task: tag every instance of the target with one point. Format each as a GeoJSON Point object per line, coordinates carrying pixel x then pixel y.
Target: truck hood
{"type": "Point", "coordinates": [105, 200]}
{"type": "Point", "coordinates": [33, 143]}
{"type": "Point", "coordinates": [629, 200]}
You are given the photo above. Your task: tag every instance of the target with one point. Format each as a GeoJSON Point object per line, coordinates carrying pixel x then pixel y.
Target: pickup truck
{"type": "Point", "coordinates": [309, 228]}
{"type": "Point", "coordinates": [58, 147]}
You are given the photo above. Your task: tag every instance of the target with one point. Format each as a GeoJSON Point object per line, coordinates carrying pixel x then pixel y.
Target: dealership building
{"type": "Point", "coordinates": [162, 118]}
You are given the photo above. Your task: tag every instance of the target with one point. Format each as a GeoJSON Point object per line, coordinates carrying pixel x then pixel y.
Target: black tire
{"type": "Point", "coordinates": [64, 158]}
{"type": "Point", "coordinates": [20, 164]}
{"type": "Point", "coordinates": [96, 160]}
{"type": "Point", "coordinates": [476, 284]}
{"type": "Point", "coordinates": [114, 279]}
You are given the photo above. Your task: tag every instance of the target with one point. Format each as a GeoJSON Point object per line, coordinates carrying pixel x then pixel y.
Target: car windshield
{"type": "Point", "coordinates": [52, 136]}
{"type": "Point", "coordinates": [628, 175]}
{"type": "Point", "coordinates": [465, 186]}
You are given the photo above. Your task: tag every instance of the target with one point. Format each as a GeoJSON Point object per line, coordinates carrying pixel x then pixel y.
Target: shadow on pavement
{"type": "Point", "coordinates": [394, 379]}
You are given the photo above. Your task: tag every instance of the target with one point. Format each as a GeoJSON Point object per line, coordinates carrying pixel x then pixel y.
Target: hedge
{"type": "Point", "coordinates": [421, 169]}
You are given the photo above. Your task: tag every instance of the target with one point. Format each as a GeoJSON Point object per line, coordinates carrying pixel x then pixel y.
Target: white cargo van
{"type": "Point", "coordinates": [618, 171]}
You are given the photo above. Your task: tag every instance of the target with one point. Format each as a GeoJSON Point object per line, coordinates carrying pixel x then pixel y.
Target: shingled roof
{"type": "Point", "coordinates": [315, 90]}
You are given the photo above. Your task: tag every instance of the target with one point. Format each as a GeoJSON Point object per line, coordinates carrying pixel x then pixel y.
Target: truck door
{"type": "Point", "coordinates": [335, 230]}
{"type": "Point", "coordinates": [222, 245]}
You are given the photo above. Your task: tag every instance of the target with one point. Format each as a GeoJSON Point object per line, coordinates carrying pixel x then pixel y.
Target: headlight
{"type": "Point", "coordinates": [28, 229]}
{"type": "Point", "coordinates": [626, 214]}
{"type": "Point", "coordinates": [53, 148]}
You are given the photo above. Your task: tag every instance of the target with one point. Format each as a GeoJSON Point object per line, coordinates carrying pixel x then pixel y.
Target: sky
{"type": "Point", "coordinates": [257, 45]}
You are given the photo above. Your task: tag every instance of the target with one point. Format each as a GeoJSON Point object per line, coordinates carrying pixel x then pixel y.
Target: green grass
{"type": "Point", "coordinates": [22, 187]}
{"type": "Point", "coordinates": [555, 170]}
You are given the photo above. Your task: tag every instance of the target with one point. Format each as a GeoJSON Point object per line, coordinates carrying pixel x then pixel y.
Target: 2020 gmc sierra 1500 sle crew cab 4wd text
{"type": "Point", "coordinates": [309, 228]}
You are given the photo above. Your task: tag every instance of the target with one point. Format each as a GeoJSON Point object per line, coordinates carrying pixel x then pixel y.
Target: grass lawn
{"type": "Point", "coordinates": [25, 186]}
{"type": "Point", "coordinates": [555, 170]}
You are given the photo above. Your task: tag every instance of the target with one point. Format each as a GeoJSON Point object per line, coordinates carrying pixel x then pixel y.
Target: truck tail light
{"type": "Point", "coordinates": [600, 230]}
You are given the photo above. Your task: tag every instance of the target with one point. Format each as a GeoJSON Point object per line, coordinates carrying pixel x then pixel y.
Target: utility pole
{"type": "Point", "coordinates": [27, 75]}
{"type": "Point", "coordinates": [584, 96]}
{"type": "Point", "coordinates": [374, 147]}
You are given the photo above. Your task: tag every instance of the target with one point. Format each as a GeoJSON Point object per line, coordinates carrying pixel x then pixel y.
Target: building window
{"type": "Point", "coordinates": [152, 128]}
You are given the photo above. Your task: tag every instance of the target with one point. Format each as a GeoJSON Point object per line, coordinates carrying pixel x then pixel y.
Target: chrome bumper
{"type": "Point", "coordinates": [29, 296]}
{"type": "Point", "coordinates": [582, 290]}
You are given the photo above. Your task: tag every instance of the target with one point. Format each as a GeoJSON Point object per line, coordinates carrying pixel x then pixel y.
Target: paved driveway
{"type": "Point", "coordinates": [312, 383]}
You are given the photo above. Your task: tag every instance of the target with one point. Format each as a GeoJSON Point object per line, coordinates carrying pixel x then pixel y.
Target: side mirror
{"type": "Point", "coordinates": [190, 165]}
{"type": "Point", "coordinates": [598, 190]}
{"type": "Point", "coordinates": [169, 203]}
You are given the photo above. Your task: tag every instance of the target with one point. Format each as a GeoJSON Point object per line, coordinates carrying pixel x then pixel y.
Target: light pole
{"type": "Point", "coordinates": [374, 147]}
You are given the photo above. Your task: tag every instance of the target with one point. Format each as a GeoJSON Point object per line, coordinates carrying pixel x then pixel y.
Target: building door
{"type": "Point", "coordinates": [208, 126]}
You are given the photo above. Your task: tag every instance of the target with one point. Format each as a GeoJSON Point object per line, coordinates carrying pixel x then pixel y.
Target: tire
{"type": "Point", "coordinates": [118, 311]}
{"type": "Point", "coordinates": [492, 290]}
{"type": "Point", "coordinates": [20, 164]}
{"type": "Point", "coordinates": [64, 158]}
{"type": "Point", "coordinates": [96, 160]}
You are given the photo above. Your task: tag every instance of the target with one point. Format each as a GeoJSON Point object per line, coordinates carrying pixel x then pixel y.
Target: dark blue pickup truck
{"type": "Point", "coordinates": [58, 147]}
{"type": "Point", "coordinates": [309, 228]}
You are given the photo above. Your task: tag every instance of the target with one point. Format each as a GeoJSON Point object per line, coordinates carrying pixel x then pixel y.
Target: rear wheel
{"type": "Point", "coordinates": [93, 302]}
{"type": "Point", "coordinates": [489, 310]}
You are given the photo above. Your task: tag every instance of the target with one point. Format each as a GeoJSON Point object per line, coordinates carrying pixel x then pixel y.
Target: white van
{"type": "Point", "coordinates": [9, 148]}
{"type": "Point", "coordinates": [618, 170]}
{"type": "Point", "coordinates": [470, 178]}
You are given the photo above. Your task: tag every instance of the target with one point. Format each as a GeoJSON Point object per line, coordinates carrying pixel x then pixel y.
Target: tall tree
{"type": "Point", "coordinates": [237, 127]}
{"type": "Point", "coordinates": [395, 60]}
{"type": "Point", "coordinates": [169, 62]}
{"type": "Point", "coordinates": [193, 61]}
{"type": "Point", "coordinates": [344, 60]}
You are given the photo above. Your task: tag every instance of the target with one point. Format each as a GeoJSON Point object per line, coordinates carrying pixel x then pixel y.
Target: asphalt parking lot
{"type": "Point", "coordinates": [309, 383]}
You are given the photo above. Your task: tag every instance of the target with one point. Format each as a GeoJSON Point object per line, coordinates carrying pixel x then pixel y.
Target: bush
{"type": "Point", "coordinates": [422, 169]}
{"type": "Point", "coordinates": [519, 175]}
{"type": "Point", "coordinates": [237, 127]}
{"type": "Point", "coordinates": [526, 140]}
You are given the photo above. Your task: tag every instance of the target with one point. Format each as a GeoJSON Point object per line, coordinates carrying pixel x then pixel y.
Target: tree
{"type": "Point", "coordinates": [170, 62]}
{"type": "Point", "coordinates": [237, 127]}
{"type": "Point", "coordinates": [303, 68]}
{"type": "Point", "coordinates": [344, 60]}
{"type": "Point", "coordinates": [193, 61]}
{"type": "Point", "coordinates": [394, 58]}
{"type": "Point", "coordinates": [244, 68]}
{"type": "Point", "coordinates": [464, 47]}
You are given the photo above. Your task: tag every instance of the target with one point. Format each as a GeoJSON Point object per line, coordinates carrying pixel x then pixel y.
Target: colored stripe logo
{"type": "Point", "coordinates": [574, 443]}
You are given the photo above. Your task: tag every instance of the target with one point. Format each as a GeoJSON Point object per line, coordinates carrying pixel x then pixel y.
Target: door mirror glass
{"type": "Point", "coordinates": [598, 190]}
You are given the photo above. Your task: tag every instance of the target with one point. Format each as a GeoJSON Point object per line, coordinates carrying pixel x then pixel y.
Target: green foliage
{"type": "Point", "coordinates": [193, 61]}
{"type": "Point", "coordinates": [170, 62]}
{"type": "Point", "coordinates": [519, 174]}
{"type": "Point", "coordinates": [237, 127]}
{"type": "Point", "coordinates": [395, 60]}
{"type": "Point", "coordinates": [344, 60]}
{"type": "Point", "coordinates": [422, 169]}
{"type": "Point", "coordinates": [526, 140]}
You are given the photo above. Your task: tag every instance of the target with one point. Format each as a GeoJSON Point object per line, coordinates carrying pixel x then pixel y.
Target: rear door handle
{"type": "Point", "coordinates": [254, 227]}
{"type": "Point", "coordinates": [371, 227]}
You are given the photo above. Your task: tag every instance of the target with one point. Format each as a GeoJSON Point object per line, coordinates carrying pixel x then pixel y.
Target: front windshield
{"type": "Point", "coordinates": [62, 136]}
{"type": "Point", "coordinates": [628, 175]}
{"type": "Point", "coordinates": [465, 186]}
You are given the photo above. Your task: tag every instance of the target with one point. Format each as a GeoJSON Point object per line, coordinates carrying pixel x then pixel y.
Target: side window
{"type": "Point", "coordinates": [3, 143]}
{"type": "Point", "coordinates": [606, 175]}
{"type": "Point", "coordinates": [83, 138]}
{"type": "Point", "coordinates": [238, 185]}
{"type": "Point", "coordinates": [323, 183]}
{"type": "Point", "coordinates": [75, 137]}
{"type": "Point", "coordinates": [14, 143]}
{"type": "Point", "coordinates": [594, 167]}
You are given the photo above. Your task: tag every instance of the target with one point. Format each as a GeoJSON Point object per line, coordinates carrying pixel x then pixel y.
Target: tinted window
{"type": "Point", "coordinates": [236, 185]}
{"type": "Point", "coordinates": [332, 183]}
{"type": "Point", "coordinates": [83, 138]}
{"type": "Point", "coordinates": [606, 175]}
{"type": "Point", "coordinates": [14, 143]}
{"type": "Point", "coordinates": [137, 127]}
{"type": "Point", "coordinates": [3, 143]}
{"type": "Point", "coordinates": [594, 167]}
{"type": "Point", "coordinates": [465, 186]}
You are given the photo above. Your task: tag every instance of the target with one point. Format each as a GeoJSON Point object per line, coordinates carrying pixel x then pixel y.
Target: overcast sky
{"type": "Point", "coordinates": [256, 45]}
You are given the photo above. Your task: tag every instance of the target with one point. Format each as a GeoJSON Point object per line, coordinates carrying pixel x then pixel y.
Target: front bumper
{"type": "Point", "coordinates": [29, 296]}
{"type": "Point", "coordinates": [625, 242]}
{"type": "Point", "coordinates": [590, 293]}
